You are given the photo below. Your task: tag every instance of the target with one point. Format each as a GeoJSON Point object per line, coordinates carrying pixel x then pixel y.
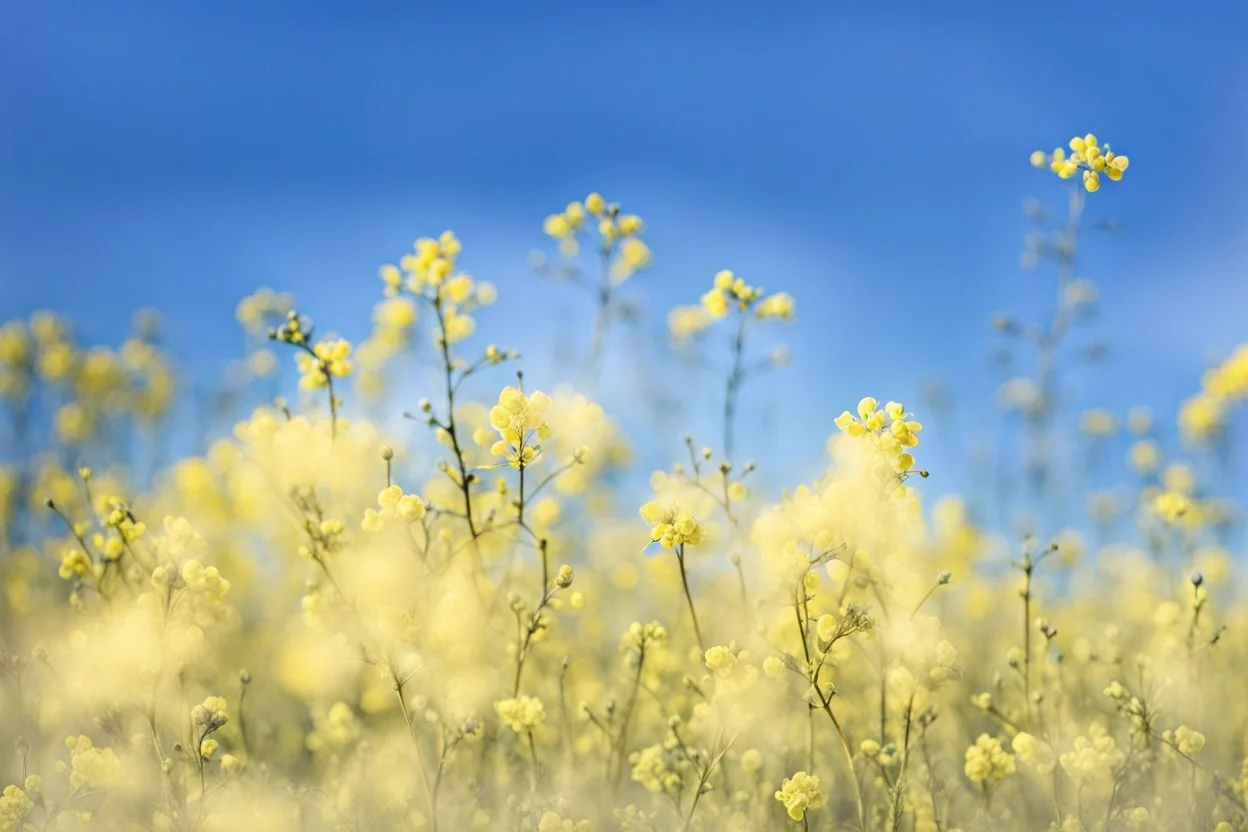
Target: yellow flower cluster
{"type": "Point", "coordinates": [521, 422]}
{"type": "Point", "coordinates": [987, 762]}
{"type": "Point", "coordinates": [336, 729]}
{"type": "Point", "coordinates": [521, 713]}
{"type": "Point", "coordinates": [1093, 760]}
{"type": "Point", "coordinates": [618, 239]}
{"type": "Point", "coordinates": [394, 504]}
{"type": "Point", "coordinates": [656, 770]}
{"type": "Point", "coordinates": [90, 767]}
{"type": "Point", "coordinates": [429, 266]}
{"type": "Point", "coordinates": [729, 293]}
{"type": "Point", "coordinates": [1035, 753]}
{"type": "Point", "coordinates": [1172, 506]}
{"type": "Point", "coordinates": [258, 311]}
{"type": "Point", "coordinates": [801, 794]}
{"type": "Point", "coordinates": [14, 804]}
{"type": "Point", "coordinates": [15, 360]}
{"type": "Point", "coordinates": [75, 563]}
{"type": "Point", "coordinates": [130, 529]}
{"type": "Point", "coordinates": [430, 273]}
{"type": "Point", "coordinates": [1185, 740]}
{"type": "Point", "coordinates": [1203, 416]}
{"type": "Point", "coordinates": [892, 430]}
{"type": "Point", "coordinates": [670, 526]}
{"type": "Point", "coordinates": [720, 660]}
{"type": "Point", "coordinates": [93, 384]}
{"type": "Point", "coordinates": [1086, 154]}
{"type": "Point", "coordinates": [327, 359]}
{"type": "Point", "coordinates": [205, 581]}
{"type": "Point", "coordinates": [394, 318]}
{"type": "Point", "coordinates": [644, 636]}
{"type": "Point", "coordinates": [210, 714]}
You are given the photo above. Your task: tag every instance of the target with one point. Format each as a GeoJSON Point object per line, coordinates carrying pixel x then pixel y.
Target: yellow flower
{"type": "Point", "coordinates": [328, 359]}
{"type": "Point", "coordinates": [1035, 753]}
{"type": "Point", "coordinates": [74, 564]}
{"type": "Point", "coordinates": [521, 714]}
{"type": "Point", "coordinates": [1093, 759]}
{"type": "Point", "coordinates": [556, 225]}
{"type": "Point", "coordinates": [634, 256]}
{"type": "Point", "coordinates": [14, 804]}
{"type": "Point", "coordinates": [800, 794]}
{"type": "Point", "coordinates": [1145, 456]}
{"type": "Point", "coordinates": [780, 306]}
{"type": "Point", "coordinates": [1188, 741]}
{"type": "Point", "coordinates": [684, 322]}
{"type": "Point", "coordinates": [643, 636]}
{"type": "Point", "coordinates": [720, 660]}
{"type": "Point", "coordinates": [520, 422]}
{"type": "Point", "coordinates": [1171, 505]}
{"type": "Point", "coordinates": [210, 714]}
{"type": "Point", "coordinates": [630, 224]}
{"type": "Point", "coordinates": [653, 769]}
{"type": "Point", "coordinates": [715, 303]}
{"type": "Point", "coordinates": [1086, 154]}
{"type": "Point", "coordinates": [91, 767]}
{"type": "Point", "coordinates": [987, 762]}
{"type": "Point", "coordinates": [73, 423]}
{"type": "Point", "coordinates": [670, 526]}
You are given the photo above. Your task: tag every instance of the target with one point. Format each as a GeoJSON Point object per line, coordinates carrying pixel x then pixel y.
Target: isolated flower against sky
{"type": "Point", "coordinates": [613, 234]}
{"type": "Point", "coordinates": [431, 273]}
{"type": "Point", "coordinates": [614, 237]}
{"type": "Point", "coordinates": [1087, 154]}
{"type": "Point", "coordinates": [729, 296]}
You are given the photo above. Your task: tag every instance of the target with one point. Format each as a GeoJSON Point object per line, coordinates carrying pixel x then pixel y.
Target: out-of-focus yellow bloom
{"type": "Point", "coordinates": [1145, 456]}
{"type": "Point", "coordinates": [521, 713]}
{"type": "Point", "coordinates": [1098, 423]}
{"type": "Point", "coordinates": [332, 359]}
{"type": "Point", "coordinates": [987, 762]}
{"type": "Point", "coordinates": [14, 804]}
{"type": "Point", "coordinates": [259, 310]}
{"type": "Point", "coordinates": [73, 423]}
{"type": "Point", "coordinates": [1035, 753]}
{"type": "Point", "coordinates": [90, 767]}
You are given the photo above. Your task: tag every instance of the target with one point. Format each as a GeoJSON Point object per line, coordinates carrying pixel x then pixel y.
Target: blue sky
{"type": "Point", "coordinates": [870, 161]}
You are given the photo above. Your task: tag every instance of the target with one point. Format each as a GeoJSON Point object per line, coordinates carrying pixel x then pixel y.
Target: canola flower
{"type": "Point", "coordinates": [730, 294]}
{"type": "Point", "coordinates": [800, 794]}
{"type": "Point", "coordinates": [615, 237]}
{"type": "Point", "coordinates": [1086, 154]}
{"type": "Point", "coordinates": [318, 621]}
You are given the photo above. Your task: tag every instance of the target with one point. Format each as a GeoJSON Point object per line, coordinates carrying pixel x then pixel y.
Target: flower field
{"type": "Point", "coordinates": [485, 619]}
